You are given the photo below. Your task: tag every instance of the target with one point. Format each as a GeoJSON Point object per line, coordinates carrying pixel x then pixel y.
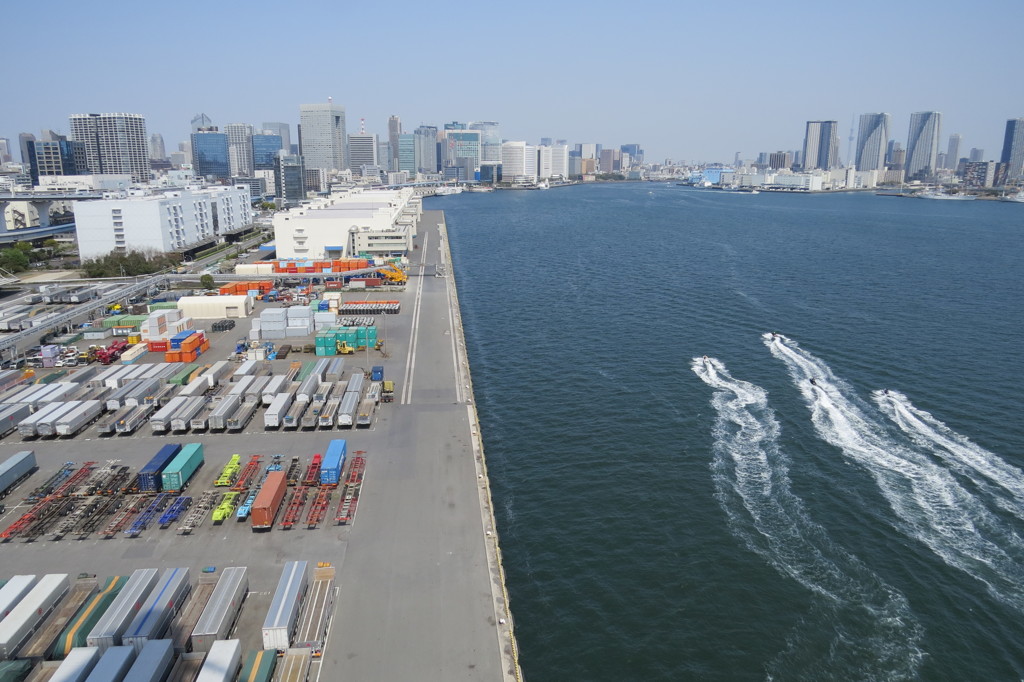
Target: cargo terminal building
{"type": "Point", "coordinates": [348, 223]}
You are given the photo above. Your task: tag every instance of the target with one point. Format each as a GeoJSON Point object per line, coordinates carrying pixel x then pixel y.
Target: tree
{"type": "Point", "coordinates": [14, 260]}
{"type": "Point", "coordinates": [206, 281]}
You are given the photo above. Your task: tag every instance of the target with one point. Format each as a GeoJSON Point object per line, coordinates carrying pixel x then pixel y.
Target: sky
{"type": "Point", "coordinates": [688, 81]}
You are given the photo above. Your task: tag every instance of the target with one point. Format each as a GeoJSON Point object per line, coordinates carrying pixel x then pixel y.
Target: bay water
{"type": "Point", "coordinates": [666, 516]}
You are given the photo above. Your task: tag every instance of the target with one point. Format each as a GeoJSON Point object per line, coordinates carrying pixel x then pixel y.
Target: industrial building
{"type": "Point", "coordinates": [169, 221]}
{"type": "Point", "coordinates": [349, 223]}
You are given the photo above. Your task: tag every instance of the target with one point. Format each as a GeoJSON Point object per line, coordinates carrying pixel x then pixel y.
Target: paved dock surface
{"type": "Point", "coordinates": [419, 593]}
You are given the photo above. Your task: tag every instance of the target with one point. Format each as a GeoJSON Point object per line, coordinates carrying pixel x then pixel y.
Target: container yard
{"type": "Point", "coordinates": [88, 485]}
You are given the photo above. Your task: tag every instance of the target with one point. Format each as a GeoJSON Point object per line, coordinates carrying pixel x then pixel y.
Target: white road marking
{"type": "Point", "coordinates": [410, 360]}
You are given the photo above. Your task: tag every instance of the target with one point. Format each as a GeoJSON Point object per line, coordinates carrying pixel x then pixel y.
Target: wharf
{"type": "Point", "coordinates": [419, 587]}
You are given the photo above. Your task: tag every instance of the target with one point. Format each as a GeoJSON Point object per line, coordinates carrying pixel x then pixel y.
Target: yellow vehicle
{"type": "Point", "coordinates": [394, 274]}
{"type": "Point", "coordinates": [225, 508]}
{"type": "Point", "coordinates": [345, 349]}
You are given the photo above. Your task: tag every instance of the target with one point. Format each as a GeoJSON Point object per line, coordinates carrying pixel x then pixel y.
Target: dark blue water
{"type": "Point", "coordinates": [668, 517]}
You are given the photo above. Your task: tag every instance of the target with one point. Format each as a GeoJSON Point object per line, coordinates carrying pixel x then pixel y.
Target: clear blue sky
{"type": "Point", "coordinates": [693, 81]}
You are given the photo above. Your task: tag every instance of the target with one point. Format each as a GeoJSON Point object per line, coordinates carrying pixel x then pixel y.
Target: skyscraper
{"type": "Point", "coordinates": [394, 130]}
{"type": "Point", "coordinates": [323, 140]}
{"type": "Point", "coordinates": [1013, 149]}
{"type": "Point", "coordinates": [923, 144]}
{"type": "Point", "coordinates": [872, 137]}
{"type": "Point", "coordinates": [239, 149]}
{"type": "Point", "coordinates": [156, 147]}
{"type": "Point", "coordinates": [407, 153]}
{"type": "Point", "coordinates": [23, 140]}
{"type": "Point", "coordinates": [362, 151]}
{"type": "Point", "coordinates": [290, 180]}
{"type": "Point", "coordinates": [425, 139]}
{"type": "Point", "coordinates": [114, 143]}
{"type": "Point", "coordinates": [462, 144]}
{"type": "Point", "coordinates": [953, 151]}
{"type": "Point", "coordinates": [977, 154]}
{"type": "Point", "coordinates": [490, 140]}
{"type": "Point", "coordinates": [821, 145]}
{"type": "Point", "coordinates": [210, 158]}
{"type": "Point", "coordinates": [265, 150]}
{"type": "Point", "coordinates": [282, 129]}
{"type": "Point", "coordinates": [636, 154]}
{"type": "Point", "coordinates": [5, 150]}
{"type": "Point", "coordinates": [201, 121]}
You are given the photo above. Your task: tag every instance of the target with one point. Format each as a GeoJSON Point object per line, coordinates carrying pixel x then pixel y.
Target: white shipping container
{"type": "Point", "coordinates": [13, 592]}
{"type": "Point", "coordinates": [220, 613]}
{"type": "Point", "coordinates": [77, 665]}
{"type": "Point", "coordinates": [30, 612]}
{"type": "Point", "coordinates": [223, 661]}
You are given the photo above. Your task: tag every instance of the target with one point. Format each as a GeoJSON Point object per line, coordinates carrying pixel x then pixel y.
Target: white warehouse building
{"type": "Point", "coordinates": [348, 223]}
{"type": "Point", "coordinates": [166, 221]}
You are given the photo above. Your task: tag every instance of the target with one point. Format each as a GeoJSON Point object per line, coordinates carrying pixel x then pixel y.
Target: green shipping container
{"type": "Point", "coordinates": [181, 469]}
{"type": "Point", "coordinates": [307, 369]}
{"type": "Point", "coordinates": [181, 378]}
{"type": "Point", "coordinates": [259, 666]}
{"type": "Point", "coordinates": [16, 671]}
{"type": "Point", "coordinates": [85, 620]}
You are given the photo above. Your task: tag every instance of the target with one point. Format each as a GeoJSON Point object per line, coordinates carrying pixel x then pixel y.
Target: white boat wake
{"type": "Point", "coordinates": [1003, 482]}
{"type": "Point", "coordinates": [930, 505]}
{"type": "Point", "coordinates": [860, 627]}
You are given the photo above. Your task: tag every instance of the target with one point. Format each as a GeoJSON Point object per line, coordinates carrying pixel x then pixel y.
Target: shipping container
{"type": "Point", "coordinates": [108, 630]}
{"type": "Point", "coordinates": [163, 603]}
{"type": "Point", "coordinates": [333, 462]}
{"type": "Point", "coordinates": [11, 415]}
{"type": "Point", "coordinates": [284, 608]}
{"type": "Point", "coordinates": [27, 426]}
{"type": "Point", "coordinates": [26, 616]}
{"type": "Point", "coordinates": [355, 383]}
{"type": "Point", "coordinates": [347, 410]}
{"type": "Point", "coordinates": [15, 671]}
{"type": "Point", "coordinates": [268, 501]}
{"type": "Point", "coordinates": [242, 415]}
{"type": "Point", "coordinates": [78, 664]}
{"type": "Point", "coordinates": [259, 666]}
{"type": "Point", "coordinates": [153, 663]}
{"type": "Point", "coordinates": [377, 373]}
{"type": "Point", "coordinates": [15, 469]}
{"type": "Point", "coordinates": [279, 407]}
{"type": "Point", "coordinates": [179, 472]}
{"type": "Point", "coordinates": [78, 629]}
{"type": "Point", "coordinates": [160, 422]}
{"type": "Point", "coordinates": [113, 665]}
{"type": "Point", "coordinates": [14, 591]}
{"type": "Point", "coordinates": [228, 405]}
{"type": "Point", "coordinates": [150, 475]}
{"type": "Point", "coordinates": [76, 420]}
{"type": "Point", "coordinates": [222, 611]}
{"type": "Point", "coordinates": [374, 392]}
{"type": "Point", "coordinates": [222, 662]}
{"type": "Point", "coordinates": [182, 418]}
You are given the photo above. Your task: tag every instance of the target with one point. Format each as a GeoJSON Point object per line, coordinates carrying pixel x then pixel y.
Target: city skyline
{"type": "Point", "coordinates": [687, 91]}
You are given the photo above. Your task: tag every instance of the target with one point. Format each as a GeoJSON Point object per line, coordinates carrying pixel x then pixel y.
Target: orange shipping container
{"type": "Point", "coordinates": [172, 356]}
{"type": "Point", "coordinates": [268, 501]}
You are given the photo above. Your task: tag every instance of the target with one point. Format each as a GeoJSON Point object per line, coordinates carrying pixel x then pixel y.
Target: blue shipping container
{"type": "Point", "coordinates": [333, 462]}
{"type": "Point", "coordinates": [149, 476]}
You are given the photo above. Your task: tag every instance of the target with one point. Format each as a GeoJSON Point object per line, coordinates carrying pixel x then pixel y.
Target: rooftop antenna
{"type": "Point", "coordinates": [330, 100]}
{"type": "Point", "coordinates": [362, 126]}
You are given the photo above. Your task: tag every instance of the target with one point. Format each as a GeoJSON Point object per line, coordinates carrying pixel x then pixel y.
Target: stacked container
{"type": "Point", "coordinates": [274, 323]}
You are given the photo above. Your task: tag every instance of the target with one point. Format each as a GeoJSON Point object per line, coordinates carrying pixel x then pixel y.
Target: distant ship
{"type": "Point", "coordinates": [446, 190]}
{"type": "Point", "coordinates": [936, 194]}
{"type": "Point", "coordinates": [479, 188]}
{"type": "Point", "coordinates": [1016, 198]}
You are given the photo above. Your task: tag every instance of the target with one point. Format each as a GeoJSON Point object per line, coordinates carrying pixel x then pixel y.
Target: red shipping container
{"type": "Point", "coordinates": [268, 501]}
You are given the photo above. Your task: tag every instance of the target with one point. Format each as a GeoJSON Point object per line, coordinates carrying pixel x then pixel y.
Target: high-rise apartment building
{"type": "Point", "coordinates": [323, 138]}
{"type": "Point", "coordinates": [425, 139]}
{"type": "Point", "coordinates": [953, 151]}
{"type": "Point", "coordinates": [872, 138]}
{"type": "Point", "coordinates": [114, 143]}
{"type": "Point", "coordinates": [362, 151]}
{"type": "Point", "coordinates": [923, 144]}
{"type": "Point", "coordinates": [976, 154]}
{"type": "Point", "coordinates": [394, 130]}
{"type": "Point", "coordinates": [210, 156]}
{"type": "Point", "coordinates": [518, 162]}
{"type": "Point", "coordinates": [490, 141]}
{"type": "Point", "coordinates": [156, 147]}
{"type": "Point", "coordinates": [821, 145]}
{"type": "Point", "coordinates": [1013, 149]}
{"type": "Point", "coordinates": [239, 149]}
{"type": "Point", "coordinates": [559, 161]}
{"type": "Point", "coordinates": [780, 160]}
{"type": "Point", "coordinates": [544, 161]}
{"type": "Point", "coordinates": [282, 129]}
